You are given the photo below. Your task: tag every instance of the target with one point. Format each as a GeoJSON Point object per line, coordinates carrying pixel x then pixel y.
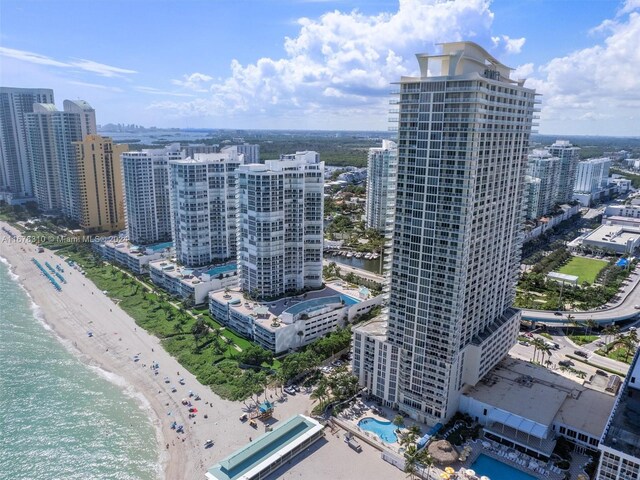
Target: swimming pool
{"type": "Point", "coordinates": [496, 470]}
{"type": "Point", "coordinates": [385, 430]}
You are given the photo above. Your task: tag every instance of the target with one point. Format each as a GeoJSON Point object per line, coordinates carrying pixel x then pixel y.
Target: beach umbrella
{"type": "Point", "coordinates": [471, 473]}
{"type": "Point", "coordinates": [484, 477]}
{"type": "Point", "coordinates": [444, 475]}
{"type": "Point", "coordinates": [449, 470]}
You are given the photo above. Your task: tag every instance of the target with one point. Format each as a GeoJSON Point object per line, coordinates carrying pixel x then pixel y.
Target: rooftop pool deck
{"type": "Point", "coordinates": [310, 305]}
{"type": "Point", "coordinates": [231, 267]}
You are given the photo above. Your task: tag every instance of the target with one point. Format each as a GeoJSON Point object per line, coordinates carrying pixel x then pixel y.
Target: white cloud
{"type": "Point", "coordinates": [596, 83]}
{"type": "Point", "coordinates": [511, 45]}
{"type": "Point", "coordinates": [157, 91]}
{"type": "Point", "coordinates": [196, 82]}
{"type": "Point", "coordinates": [81, 64]}
{"type": "Point", "coordinates": [96, 85]}
{"type": "Point", "coordinates": [342, 60]}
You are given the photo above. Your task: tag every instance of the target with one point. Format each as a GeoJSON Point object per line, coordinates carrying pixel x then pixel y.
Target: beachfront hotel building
{"type": "Point", "coordinates": [15, 167]}
{"type": "Point", "coordinates": [546, 168]}
{"type": "Point", "coordinates": [202, 193]}
{"type": "Point", "coordinates": [146, 193]}
{"type": "Point", "coordinates": [381, 177]}
{"type": "Point", "coordinates": [569, 157]}
{"type": "Point", "coordinates": [620, 442]}
{"type": "Point", "coordinates": [99, 184]}
{"type": "Point", "coordinates": [280, 225]}
{"type": "Point", "coordinates": [463, 134]}
{"type": "Point", "coordinates": [51, 134]}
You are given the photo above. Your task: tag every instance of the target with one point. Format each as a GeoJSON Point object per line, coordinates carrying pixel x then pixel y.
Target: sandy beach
{"type": "Point", "coordinates": [115, 343]}
{"type": "Point", "coordinates": [81, 308]}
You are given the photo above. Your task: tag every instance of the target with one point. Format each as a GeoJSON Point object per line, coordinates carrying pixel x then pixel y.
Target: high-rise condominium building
{"type": "Point", "coordinates": [381, 178]}
{"type": "Point", "coordinates": [202, 194]}
{"type": "Point", "coordinates": [280, 225]}
{"type": "Point", "coordinates": [546, 168]}
{"type": "Point", "coordinates": [146, 193]}
{"type": "Point", "coordinates": [250, 151]}
{"type": "Point", "coordinates": [592, 175]}
{"type": "Point", "coordinates": [463, 134]}
{"type": "Point", "coordinates": [51, 134]}
{"type": "Point", "coordinates": [99, 177]}
{"type": "Point", "coordinates": [569, 157]}
{"type": "Point", "coordinates": [15, 169]}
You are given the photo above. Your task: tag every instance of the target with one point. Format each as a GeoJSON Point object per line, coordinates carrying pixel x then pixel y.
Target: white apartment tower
{"type": "Point", "coordinates": [592, 175]}
{"type": "Point", "coordinates": [146, 193]}
{"type": "Point", "coordinates": [546, 168]}
{"type": "Point", "coordinates": [203, 207]}
{"type": "Point", "coordinates": [280, 225]}
{"type": "Point", "coordinates": [569, 157]}
{"type": "Point", "coordinates": [463, 133]}
{"type": "Point", "coordinates": [15, 168]}
{"type": "Point", "coordinates": [87, 115]}
{"type": "Point", "coordinates": [52, 155]}
{"type": "Point", "coordinates": [381, 177]}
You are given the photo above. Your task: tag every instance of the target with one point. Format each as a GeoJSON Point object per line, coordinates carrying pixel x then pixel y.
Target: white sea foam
{"type": "Point", "coordinates": [125, 387]}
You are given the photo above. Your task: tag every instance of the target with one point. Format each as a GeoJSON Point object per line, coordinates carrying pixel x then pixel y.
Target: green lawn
{"type": "Point", "coordinates": [586, 269]}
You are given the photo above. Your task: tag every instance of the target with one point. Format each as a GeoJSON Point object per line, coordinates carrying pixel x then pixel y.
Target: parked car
{"type": "Point", "coordinates": [289, 390]}
{"type": "Point", "coordinates": [565, 363]}
{"type": "Point", "coordinates": [580, 353]}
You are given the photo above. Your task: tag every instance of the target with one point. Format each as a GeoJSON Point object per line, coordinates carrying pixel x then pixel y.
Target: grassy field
{"type": "Point", "coordinates": [586, 269]}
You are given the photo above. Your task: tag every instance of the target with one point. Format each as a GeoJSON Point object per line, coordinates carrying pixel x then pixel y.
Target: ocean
{"type": "Point", "coordinates": [59, 418]}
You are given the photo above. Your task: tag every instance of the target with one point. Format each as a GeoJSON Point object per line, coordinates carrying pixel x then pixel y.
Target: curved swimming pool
{"type": "Point", "coordinates": [385, 430]}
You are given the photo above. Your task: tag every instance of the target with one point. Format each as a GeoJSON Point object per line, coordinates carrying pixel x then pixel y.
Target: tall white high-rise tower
{"type": "Point", "coordinates": [281, 204]}
{"type": "Point", "coordinates": [463, 133]}
{"type": "Point", "coordinates": [381, 177]}
{"type": "Point", "coordinates": [146, 193]}
{"type": "Point", "coordinates": [203, 207]}
{"type": "Point", "coordinates": [15, 168]}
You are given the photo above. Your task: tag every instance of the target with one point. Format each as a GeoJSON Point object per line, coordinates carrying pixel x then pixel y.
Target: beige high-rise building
{"type": "Point", "coordinates": [100, 178]}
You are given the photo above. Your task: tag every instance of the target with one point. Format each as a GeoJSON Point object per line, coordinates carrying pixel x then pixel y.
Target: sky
{"type": "Point", "coordinates": [315, 64]}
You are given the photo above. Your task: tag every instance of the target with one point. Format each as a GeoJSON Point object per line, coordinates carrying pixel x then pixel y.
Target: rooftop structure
{"type": "Point", "coordinates": [507, 403]}
{"type": "Point", "coordinates": [620, 443]}
{"type": "Point", "coordinates": [193, 284]}
{"type": "Point", "coordinates": [292, 322]}
{"type": "Point", "coordinates": [134, 257]}
{"type": "Point", "coordinates": [269, 451]}
{"type": "Point", "coordinates": [616, 238]}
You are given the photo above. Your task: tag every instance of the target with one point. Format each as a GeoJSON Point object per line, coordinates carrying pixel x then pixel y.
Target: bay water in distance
{"type": "Point", "coordinates": [59, 418]}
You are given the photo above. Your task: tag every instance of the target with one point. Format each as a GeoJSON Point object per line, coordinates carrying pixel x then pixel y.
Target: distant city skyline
{"type": "Point", "coordinates": [314, 64]}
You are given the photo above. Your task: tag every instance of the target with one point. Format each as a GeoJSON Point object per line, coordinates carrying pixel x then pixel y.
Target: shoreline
{"type": "Point", "coordinates": [80, 307]}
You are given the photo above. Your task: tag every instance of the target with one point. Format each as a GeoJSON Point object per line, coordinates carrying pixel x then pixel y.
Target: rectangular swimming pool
{"type": "Point", "coordinates": [496, 470]}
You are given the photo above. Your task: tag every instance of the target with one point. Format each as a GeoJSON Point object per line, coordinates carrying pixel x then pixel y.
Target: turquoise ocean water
{"type": "Point", "coordinates": [60, 419]}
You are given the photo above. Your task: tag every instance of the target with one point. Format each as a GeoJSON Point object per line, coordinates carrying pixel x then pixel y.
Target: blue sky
{"type": "Point", "coordinates": [314, 64]}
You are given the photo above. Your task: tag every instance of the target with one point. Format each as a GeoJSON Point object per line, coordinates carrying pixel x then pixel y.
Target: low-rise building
{"type": "Point", "coordinates": [620, 239]}
{"type": "Point", "coordinates": [632, 211]}
{"type": "Point", "coordinates": [507, 403]}
{"type": "Point", "coordinates": [134, 257]}
{"type": "Point", "coordinates": [620, 442]}
{"type": "Point", "coordinates": [293, 322]}
{"type": "Point", "coordinates": [192, 283]}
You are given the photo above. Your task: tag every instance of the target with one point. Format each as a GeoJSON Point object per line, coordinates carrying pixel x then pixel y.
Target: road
{"type": "Point", "coordinates": [567, 347]}
{"type": "Point", "coordinates": [624, 309]}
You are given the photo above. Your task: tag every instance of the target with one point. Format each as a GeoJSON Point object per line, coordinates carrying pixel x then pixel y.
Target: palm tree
{"type": "Point", "coordinates": [538, 344]}
{"type": "Point", "coordinates": [544, 350]}
{"type": "Point", "coordinates": [411, 461]}
{"type": "Point", "coordinates": [398, 421]}
{"type": "Point", "coordinates": [321, 391]}
{"type": "Point", "coordinates": [590, 324]}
